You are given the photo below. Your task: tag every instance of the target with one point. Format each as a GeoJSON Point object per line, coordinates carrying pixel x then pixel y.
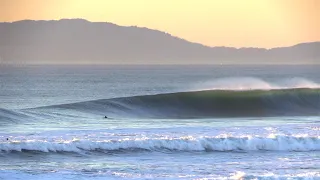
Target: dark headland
{"type": "Point", "coordinates": [80, 41]}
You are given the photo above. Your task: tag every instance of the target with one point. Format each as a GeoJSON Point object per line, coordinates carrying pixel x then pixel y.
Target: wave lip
{"type": "Point", "coordinates": [222, 144]}
{"type": "Point", "coordinates": [251, 83]}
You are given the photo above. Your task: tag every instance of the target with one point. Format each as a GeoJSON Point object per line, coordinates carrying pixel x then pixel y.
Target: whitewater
{"type": "Point", "coordinates": [163, 122]}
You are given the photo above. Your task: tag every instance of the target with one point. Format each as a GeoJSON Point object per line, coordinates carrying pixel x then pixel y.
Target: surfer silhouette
{"type": "Point", "coordinates": [106, 117]}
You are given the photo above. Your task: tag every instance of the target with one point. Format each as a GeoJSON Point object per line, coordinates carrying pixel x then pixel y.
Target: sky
{"type": "Point", "coordinates": [233, 23]}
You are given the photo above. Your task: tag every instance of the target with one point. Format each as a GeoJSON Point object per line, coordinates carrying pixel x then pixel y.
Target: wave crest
{"type": "Point", "coordinates": [251, 83]}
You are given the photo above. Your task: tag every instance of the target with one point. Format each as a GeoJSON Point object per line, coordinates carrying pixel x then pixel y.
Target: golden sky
{"type": "Point", "coordinates": [237, 23]}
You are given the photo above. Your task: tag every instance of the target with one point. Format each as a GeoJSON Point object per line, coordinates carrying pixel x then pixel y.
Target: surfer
{"type": "Point", "coordinates": [7, 139]}
{"type": "Point", "coordinates": [106, 117]}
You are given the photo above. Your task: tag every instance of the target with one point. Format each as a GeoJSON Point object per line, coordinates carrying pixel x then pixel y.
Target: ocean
{"type": "Point", "coordinates": [243, 122]}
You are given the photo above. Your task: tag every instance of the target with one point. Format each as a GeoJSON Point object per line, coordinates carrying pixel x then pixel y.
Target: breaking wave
{"type": "Point", "coordinates": [207, 104]}
{"type": "Point", "coordinates": [187, 144]}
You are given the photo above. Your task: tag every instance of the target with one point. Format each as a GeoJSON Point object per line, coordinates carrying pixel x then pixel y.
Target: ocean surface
{"type": "Point", "coordinates": [163, 122]}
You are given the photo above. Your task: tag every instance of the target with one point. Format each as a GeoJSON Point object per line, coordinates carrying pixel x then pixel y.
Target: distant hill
{"type": "Point", "coordinates": [81, 41]}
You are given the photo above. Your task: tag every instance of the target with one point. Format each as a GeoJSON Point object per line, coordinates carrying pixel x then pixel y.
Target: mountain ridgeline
{"type": "Point", "coordinates": [80, 41]}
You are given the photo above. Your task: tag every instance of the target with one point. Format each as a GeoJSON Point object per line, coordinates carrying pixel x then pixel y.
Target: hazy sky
{"type": "Point", "coordinates": [237, 23]}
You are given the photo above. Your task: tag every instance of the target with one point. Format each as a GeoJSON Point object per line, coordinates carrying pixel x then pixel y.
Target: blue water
{"type": "Point", "coordinates": [49, 137]}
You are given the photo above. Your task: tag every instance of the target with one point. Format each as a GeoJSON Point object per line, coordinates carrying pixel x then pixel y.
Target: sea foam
{"type": "Point", "coordinates": [271, 143]}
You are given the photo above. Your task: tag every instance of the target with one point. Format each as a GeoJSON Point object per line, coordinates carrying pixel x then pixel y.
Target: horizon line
{"type": "Point", "coordinates": [151, 64]}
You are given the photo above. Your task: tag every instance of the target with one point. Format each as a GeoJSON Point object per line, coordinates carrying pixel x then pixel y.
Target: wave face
{"type": "Point", "coordinates": [206, 104]}
{"type": "Point", "coordinates": [272, 143]}
{"type": "Point", "coordinates": [11, 116]}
